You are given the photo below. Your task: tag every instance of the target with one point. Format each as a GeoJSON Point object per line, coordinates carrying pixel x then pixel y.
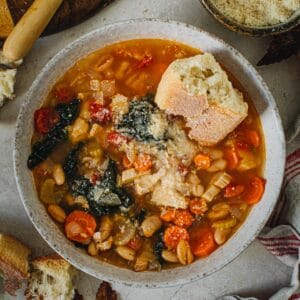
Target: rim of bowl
{"type": "Point", "coordinates": [232, 25]}
{"type": "Point", "coordinates": [110, 272]}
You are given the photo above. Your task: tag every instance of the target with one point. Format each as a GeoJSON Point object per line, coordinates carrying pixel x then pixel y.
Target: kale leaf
{"type": "Point", "coordinates": [70, 165]}
{"type": "Point", "coordinates": [80, 186]}
{"type": "Point", "coordinates": [105, 197]}
{"type": "Point", "coordinates": [159, 245]}
{"type": "Point", "coordinates": [138, 119]}
{"type": "Point", "coordinates": [42, 149]}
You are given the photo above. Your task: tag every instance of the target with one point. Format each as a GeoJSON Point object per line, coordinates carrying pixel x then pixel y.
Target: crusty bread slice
{"type": "Point", "coordinates": [13, 262]}
{"type": "Point", "coordinates": [198, 89]}
{"type": "Point", "coordinates": [6, 21]}
{"type": "Point", "coordinates": [51, 278]}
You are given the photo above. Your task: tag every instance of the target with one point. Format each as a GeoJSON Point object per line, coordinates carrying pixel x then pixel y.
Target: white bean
{"type": "Point", "coordinates": [169, 256]}
{"type": "Point", "coordinates": [221, 235]}
{"type": "Point", "coordinates": [150, 225]}
{"type": "Point", "coordinates": [92, 250]}
{"type": "Point", "coordinates": [106, 227]}
{"type": "Point", "coordinates": [58, 174]}
{"type": "Point", "coordinates": [184, 253]}
{"type": "Point", "coordinates": [217, 165]}
{"type": "Point", "coordinates": [126, 252]}
{"type": "Point", "coordinates": [197, 190]}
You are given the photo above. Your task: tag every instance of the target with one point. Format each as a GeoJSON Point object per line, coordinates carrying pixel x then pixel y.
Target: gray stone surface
{"type": "Point", "coordinates": [255, 272]}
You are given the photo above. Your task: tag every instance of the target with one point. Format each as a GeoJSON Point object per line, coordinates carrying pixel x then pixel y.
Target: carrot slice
{"type": "Point", "coordinates": [168, 214]}
{"type": "Point", "coordinates": [173, 235]}
{"type": "Point", "coordinates": [183, 218]}
{"type": "Point", "coordinates": [202, 161]}
{"type": "Point", "coordinates": [143, 162]}
{"type": "Point", "coordinates": [126, 162]}
{"type": "Point", "coordinates": [233, 190]}
{"type": "Point", "coordinates": [231, 156]}
{"type": "Point", "coordinates": [250, 136]}
{"type": "Point", "coordinates": [202, 242]}
{"type": "Point", "coordinates": [198, 206]}
{"type": "Point", "coordinates": [255, 190]}
{"type": "Point", "coordinates": [80, 226]}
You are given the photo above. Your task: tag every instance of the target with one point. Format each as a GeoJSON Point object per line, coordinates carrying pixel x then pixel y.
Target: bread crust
{"type": "Point", "coordinates": [6, 21]}
{"type": "Point", "coordinates": [13, 262]}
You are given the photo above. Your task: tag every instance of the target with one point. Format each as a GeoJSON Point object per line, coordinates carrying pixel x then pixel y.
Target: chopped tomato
{"type": "Point", "coordinates": [202, 242]}
{"type": "Point", "coordinates": [198, 206]}
{"type": "Point", "coordinates": [255, 190]}
{"type": "Point", "coordinates": [242, 145]}
{"type": "Point", "coordinates": [63, 94]}
{"type": "Point", "coordinates": [117, 139]}
{"type": "Point", "coordinates": [231, 156]}
{"type": "Point", "coordinates": [145, 62]}
{"type": "Point", "coordinates": [135, 243]}
{"type": "Point", "coordinates": [80, 226]}
{"type": "Point", "coordinates": [99, 113]}
{"type": "Point", "coordinates": [143, 162]}
{"type": "Point", "coordinates": [252, 137]}
{"type": "Point", "coordinates": [247, 137]}
{"type": "Point", "coordinates": [234, 190]}
{"type": "Point", "coordinates": [45, 119]}
{"type": "Point", "coordinates": [183, 218]}
{"type": "Point", "coordinates": [126, 162]}
{"type": "Point", "coordinates": [173, 234]}
{"type": "Point", "coordinates": [168, 214]}
{"type": "Point", "coordinates": [94, 178]}
{"type": "Point", "coordinates": [202, 161]}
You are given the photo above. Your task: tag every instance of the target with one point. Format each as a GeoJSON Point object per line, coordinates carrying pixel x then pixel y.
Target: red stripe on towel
{"type": "Point", "coordinates": [293, 156]}
{"type": "Point", "coordinates": [292, 170]}
{"type": "Point", "coordinates": [284, 253]}
{"type": "Point", "coordinates": [289, 237]}
{"type": "Point", "coordinates": [271, 244]}
{"type": "Point", "coordinates": [294, 297]}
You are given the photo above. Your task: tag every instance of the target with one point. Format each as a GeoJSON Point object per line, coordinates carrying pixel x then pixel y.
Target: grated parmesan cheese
{"type": "Point", "coordinates": [258, 13]}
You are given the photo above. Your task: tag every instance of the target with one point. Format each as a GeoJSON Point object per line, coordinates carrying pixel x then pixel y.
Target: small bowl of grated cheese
{"type": "Point", "coordinates": [255, 17]}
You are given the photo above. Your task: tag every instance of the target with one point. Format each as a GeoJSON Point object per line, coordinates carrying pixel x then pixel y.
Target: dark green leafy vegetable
{"type": "Point", "coordinates": [80, 186]}
{"type": "Point", "coordinates": [159, 245]}
{"type": "Point", "coordinates": [141, 215]}
{"type": "Point", "coordinates": [42, 149]}
{"type": "Point", "coordinates": [124, 196]}
{"type": "Point", "coordinates": [106, 197]}
{"type": "Point", "coordinates": [137, 121]}
{"type": "Point", "coordinates": [70, 165]}
{"type": "Point", "coordinates": [109, 179]}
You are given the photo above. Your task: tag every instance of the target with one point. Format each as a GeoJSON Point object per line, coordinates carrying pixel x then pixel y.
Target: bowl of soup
{"type": "Point", "coordinates": [117, 186]}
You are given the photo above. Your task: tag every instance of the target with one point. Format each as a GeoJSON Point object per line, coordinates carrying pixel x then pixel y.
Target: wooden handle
{"type": "Point", "coordinates": [29, 28]}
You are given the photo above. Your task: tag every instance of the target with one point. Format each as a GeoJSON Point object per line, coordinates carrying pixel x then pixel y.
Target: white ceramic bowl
{"type": "Point", "coordinates": [229, 57]}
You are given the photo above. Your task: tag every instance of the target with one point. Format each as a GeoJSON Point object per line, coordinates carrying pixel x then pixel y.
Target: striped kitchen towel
{"type": "Point", "coordinates": [281, 238]}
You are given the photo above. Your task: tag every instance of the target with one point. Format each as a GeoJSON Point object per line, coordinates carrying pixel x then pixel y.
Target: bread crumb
{"type": "Point", "coordinates": [258, 13]}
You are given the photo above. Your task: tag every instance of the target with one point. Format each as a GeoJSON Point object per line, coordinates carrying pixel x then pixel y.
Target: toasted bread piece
{"type": "Point", "coordinates": [13, 262]}
{"type": "Point", "coordinates": [6, 21]}
{"type": "Point", "coordinates": [198, 89]}
{"type": "Point", "coordinates": [51, 278]}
